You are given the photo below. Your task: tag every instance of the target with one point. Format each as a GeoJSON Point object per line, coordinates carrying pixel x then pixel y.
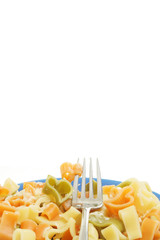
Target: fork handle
{"type": "Point", "coordinates": [84, 224]}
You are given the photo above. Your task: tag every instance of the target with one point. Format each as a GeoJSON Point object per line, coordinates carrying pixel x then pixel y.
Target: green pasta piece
{"type": "Point", "coordinates": [58, 190]}
{"type": "Point", "coordinates": [94, 187]}
{"type": "Point", "coordinates": [125, 183]}
{"type": "Point", "coordinates": [100, 221]}
{"type": "Point", "coordinates": [129, 182]}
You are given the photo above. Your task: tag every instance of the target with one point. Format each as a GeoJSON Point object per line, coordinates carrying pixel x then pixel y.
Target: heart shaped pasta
{"type": "Point", "coordinates": [58, 190]}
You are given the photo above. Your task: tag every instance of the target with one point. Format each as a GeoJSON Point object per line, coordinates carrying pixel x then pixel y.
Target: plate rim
{"type": "Point", "coordinates": [104, 182]}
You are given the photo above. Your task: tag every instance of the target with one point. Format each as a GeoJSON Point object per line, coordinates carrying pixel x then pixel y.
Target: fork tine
{"type": "Point", "coordinates": [83, 180]}
{"type": "Point", "coordinates": [75, 188]}
{"type": "Point", "coordinates": [90, 180]}
{"type": "Point", "coordinates": [99, 182]}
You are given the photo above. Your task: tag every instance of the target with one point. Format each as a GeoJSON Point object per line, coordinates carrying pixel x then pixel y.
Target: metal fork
{"type": "Point", "coordinates": [86, 204]}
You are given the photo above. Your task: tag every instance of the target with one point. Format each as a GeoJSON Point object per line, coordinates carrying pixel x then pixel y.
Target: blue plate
{"type": "Point", "coordinates": [104, 182]}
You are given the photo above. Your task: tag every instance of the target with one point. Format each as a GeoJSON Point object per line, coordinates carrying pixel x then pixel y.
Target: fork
{"type": "Point", "coordinates": [86, 204]}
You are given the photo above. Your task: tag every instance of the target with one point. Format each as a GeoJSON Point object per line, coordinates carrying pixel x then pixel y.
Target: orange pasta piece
{"type": "Point", "coordinates": [40, 230]}
{"type": "Point", "coordinates": [157, 234]}
{"type": "Point", "coordinates": [107, 189]}
{"type": "Point", "coordinates": [67, 235]}
{"type": "Point", "coordinates": [6, 207]}
{"type": "Point", "coordinates": [16, 201]}
{"type": "Point", "coordinates": [30, 189]}
{"type": "Point", "coordinates": [77, 227]}
{"type": "Point", "coordinates": [25, 184]}
{"type": "Point", "coordinates": [124, 198]}
{"type": "Point", "coordinates": [29, 202]}
{"type": "Point", "coordinates": [67, 204]}
{"type": "Point", "coordinates": [8, 221]}
{"type": "Point", "coordinates": [39, 185]}
{"type": "Point", "coordinates": [110, 190]}
{"type": "Point", "coordinates": [149, 228]}
{"type": "Point", "coordinates": [69, 170]}
{"type": "Point", "coordinates": [33, 184]}
{"type": "Point", "coordinates": [3, 192]}
{"type": "Point", "coordinates": [51, 211]}
{"type": "Point", "coordinates": [29, 224]}
{"type": "Point", "coordinates": [77, 168]}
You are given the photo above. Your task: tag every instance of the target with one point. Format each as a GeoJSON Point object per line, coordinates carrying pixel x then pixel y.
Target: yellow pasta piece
{"type": "Point", "coordinates": [92, 232]}
{"type": "Point", "coordinates": [43, 200]}
{"type": "Point", "coordinates": [11, 185]}
{"type": "Point", "coordinates": [57, 223]}
{"type": "Point", "coordinates": [130, 219]}
{"type": "Point", "coordinates": [23, 213]}
{"type": "Point", "coordinates": [74, 213]}
{"type": "Point", "coordinates": [72, 225]}
{"type": "Point", "coordinates": [49, 233]}
{"type": "Point", "coordinates": [75, 238]}
{"type": "Point", "coordinates": [23, 234]}
{"type": "Point", "coordinates": [27, 213]}
{"type": "Point", "coordinates": [112, 233]}
{"type": "Point", "coordinates": [144, 199]}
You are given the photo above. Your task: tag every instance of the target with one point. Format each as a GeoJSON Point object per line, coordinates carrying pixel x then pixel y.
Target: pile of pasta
{"type": "Point", "coordinates": [43, 211]}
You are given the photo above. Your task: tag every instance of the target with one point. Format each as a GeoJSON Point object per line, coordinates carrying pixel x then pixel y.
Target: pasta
{"type": "Point", "coordinates": [57, 188]}
{"type": "Point", "coordinates": [74, 213]}
{"type": "Point", "coordinates": [92, 232]}
{"type": "Point", "coordinates": [24, 234]}
{"type": "Point", "coordinates": [7, 224]}
{"type": "Point", "coordinates": [150, 229]}
{"type": "Point", "coordinates": [69, 170]}
{"type": "Point", "coordinates": [29, 224]}
{"type": "Point", "coordinates": [59, 232]}
{"type": "Point", "coordinates": [112, 232]}
{"type": "Point", "coordinates": [3, 193]}
{"type": "Point", "coordinates": [11, 185]}
{"type": "Point", "coordinates": [27, 213]}
{"type": "Point", "coordinates": [40, 229]}
{"type": "Point", "coordinates": [124, 198]}
{"type": "Point", "coordinates": [131, 222]}
{"type": "Point", "coordinates": [51, 211]}
{"type": "Point", "coordinates": [43, 211]}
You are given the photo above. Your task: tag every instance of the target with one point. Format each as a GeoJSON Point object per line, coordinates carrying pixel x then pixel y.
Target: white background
{"type": "Point", "coordinates": [80, 79]}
